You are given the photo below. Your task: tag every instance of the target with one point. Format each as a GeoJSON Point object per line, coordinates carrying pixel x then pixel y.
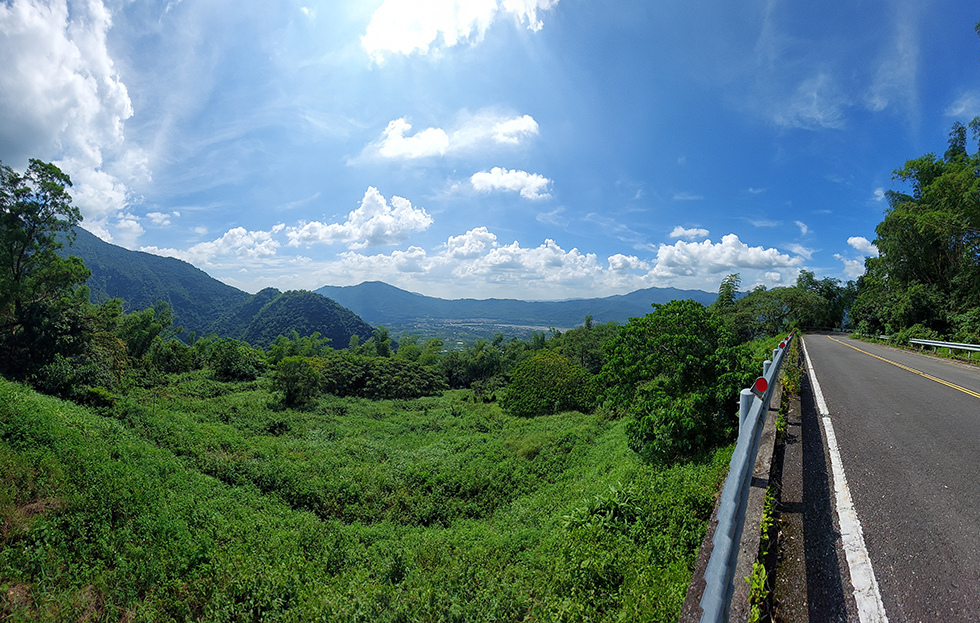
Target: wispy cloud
{"type": "Point", "coordinates": [966, 106]}
{"type": "Point", "coordinates": [684, 196]}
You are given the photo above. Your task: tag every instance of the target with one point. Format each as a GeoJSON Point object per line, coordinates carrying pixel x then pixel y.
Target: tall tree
{"type": "Point", "coordinates": [928, 269]}
{"type": "Point", "coordinates": [35, 284]}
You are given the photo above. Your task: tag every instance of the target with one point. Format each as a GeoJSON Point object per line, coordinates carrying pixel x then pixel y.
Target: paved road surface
{"type": "Point", "coordinates": [910, 448]}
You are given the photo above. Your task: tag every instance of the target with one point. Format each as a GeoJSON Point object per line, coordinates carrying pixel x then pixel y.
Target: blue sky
{"type": "Point", "coordinates": [535, 149]}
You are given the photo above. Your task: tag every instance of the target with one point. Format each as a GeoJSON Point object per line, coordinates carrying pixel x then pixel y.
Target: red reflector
{"type": "Point", "coordinates": [761, 385]}
{"type": "Point", "coordinates": [782, 344]}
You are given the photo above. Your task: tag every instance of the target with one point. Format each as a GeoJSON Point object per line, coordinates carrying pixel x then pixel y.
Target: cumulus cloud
{"type": "Point", "coordinates": [689, 234]}
{"type": "Point", "coordinates": [236, 243]}
{"type": "Point", "coordinates": [620, 263]}
{"type": "Point", "coordinates": [863, 245]}
{"type": "Point", "coordinates": [373, 223]}
{"type": "Point", "coordinates": [161, 219]}
{"type": "Point", "coordinates": [472, 244]}
{"type": "Point", "coordinates": [60, 94]}
{"type": "Point", "coordinates": [852, 268]}
{"type": "Point", "coordinates": [470, 132]}
{"type": "Point", "coordinates": [729, 255]}
{"type": "Point", "coordinates": [414, 26]}
{"type": "Point", "coordinates": [428, 142]}
{"type": "Point", "coordinates": [530, 185]}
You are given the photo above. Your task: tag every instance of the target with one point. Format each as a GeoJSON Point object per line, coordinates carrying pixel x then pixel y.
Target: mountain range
{"type": "Point", "coordinates": [203, 305]}
{"type": "Point", "coordinates": [406, 312]}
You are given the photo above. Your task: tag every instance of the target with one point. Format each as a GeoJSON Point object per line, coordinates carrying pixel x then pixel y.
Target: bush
{"type": "Point", "coordinates": [549, 383]}
{"type": "Point", "coordinates": [235, 361]}
{"type": "Point", "coordinates": [299, 379]}
{"type": "Point", "coordinates": [678, 372]}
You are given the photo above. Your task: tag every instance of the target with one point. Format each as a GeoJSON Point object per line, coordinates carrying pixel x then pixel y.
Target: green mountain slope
{"type": "Point", "coordinates": [304, 312]}
{"type": "Point", "coordinates": [141, 279]}
{"type": "Point", "coordinates": [205, 305]}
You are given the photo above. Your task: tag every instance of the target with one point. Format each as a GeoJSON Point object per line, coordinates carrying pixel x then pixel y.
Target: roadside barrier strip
{"type": "Point", "coordinates": [867, 597]}
{"type": "Point", "coordinates": [719, 575]}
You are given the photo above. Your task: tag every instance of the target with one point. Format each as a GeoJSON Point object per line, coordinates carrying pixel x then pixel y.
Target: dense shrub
{"type": "Point", "coordinates": [677, 372]}
{"type": "Point", "coordinates": [549, 383]}
{"type": "Point", "coordinates": [232, 360]}
{"type": "Point", "coordinates": [301, 379]}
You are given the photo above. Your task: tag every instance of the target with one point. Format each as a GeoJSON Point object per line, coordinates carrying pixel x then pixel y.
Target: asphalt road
{"type": "Point", "coordinates": [910, 448]}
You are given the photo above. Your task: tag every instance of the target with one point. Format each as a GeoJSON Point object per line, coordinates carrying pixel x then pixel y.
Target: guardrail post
{"type": "Point", "coordinates": [765, 367]}
{"type": "Point", "coordinates": [745, 403]}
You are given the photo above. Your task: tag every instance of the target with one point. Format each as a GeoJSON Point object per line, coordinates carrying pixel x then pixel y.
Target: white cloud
{"type": "Point", "coordinates": [879, 194]}
{"type": "Point", "coordinates": [373, 223]}
{"type": "Point", "coordinates": [513, 131]}
{"type": "Point", "coordinates": [707, 258]}
{"type": "Point", "coordinates": [756, 191]}
{"type": "Point", "coordinates": [128, 230]}
{"type": "Point", "coordinates": [620, 263]}
{"type": "Point", "coordinates": [689, 234]}
{"type": "Point", "coordinates": [161, 219]}
{"type": "Point", "coordinates": [967, 106]}
{"type": "Point", "coordinates": [428, 142]}
{"type": "Point", "coordinates": [470, 132]}
{"type": "Point", "coordinates": [852, 268]}
{"type": "Point", "coordinates": [413, 26]}
{"type": "Point", "coordinates": [308, 12]}
{"type": "Point", "coordinates": [804, 230]}
{"type": "Point", "coordinates": [530, 185]}
{"type": "Point", "coordinates": [60, 95]}
{"type": "Point", "coordinates": [236, 244]}
{"type": "Point", "coordinates": [863, 245]}
{"type": "Point", "coordinates": [472, 244]}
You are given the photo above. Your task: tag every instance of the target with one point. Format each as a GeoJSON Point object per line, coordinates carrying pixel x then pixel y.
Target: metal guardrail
{"type": "Point", "coordinates": [973, 348]}
{"type": "Point", "coordinates": [719, 575]}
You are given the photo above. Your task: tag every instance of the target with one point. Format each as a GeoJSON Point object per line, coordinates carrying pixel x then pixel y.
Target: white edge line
{"type": "Point", "coordinates": [866, 593]}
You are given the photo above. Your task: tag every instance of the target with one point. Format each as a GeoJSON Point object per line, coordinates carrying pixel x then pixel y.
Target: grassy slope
{"type": "Point", "coordinates": [204, 500]}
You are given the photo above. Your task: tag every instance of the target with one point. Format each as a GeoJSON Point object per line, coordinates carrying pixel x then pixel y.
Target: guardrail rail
{"type": "Point", "coordinates": [970, 348]}
{"type": "Point", "coordinates": [719, 575]}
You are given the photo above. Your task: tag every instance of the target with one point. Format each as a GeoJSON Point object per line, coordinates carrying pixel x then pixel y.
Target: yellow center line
{"type": "Point", "coordinates": [912, 370]}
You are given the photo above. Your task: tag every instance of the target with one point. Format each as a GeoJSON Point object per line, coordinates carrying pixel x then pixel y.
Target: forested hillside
{"type": "Point", "coordinates": [202, 304]}
{"type": "Point", "coordinates": [143, 279]}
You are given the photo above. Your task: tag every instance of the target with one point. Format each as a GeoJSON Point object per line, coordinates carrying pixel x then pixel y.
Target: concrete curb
{"type": "Point", "coordinates": [748, 550]}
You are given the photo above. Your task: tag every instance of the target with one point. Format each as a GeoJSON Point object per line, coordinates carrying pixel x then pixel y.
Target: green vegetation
{"type": "Point", "coordinates": [674, 372]}
{"type": "Point", "coordinates": [549, 383]}
{"type": "Point", "coordinates": [199, 499]}
{"type": "Point", "coordinates": [924, 282]}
